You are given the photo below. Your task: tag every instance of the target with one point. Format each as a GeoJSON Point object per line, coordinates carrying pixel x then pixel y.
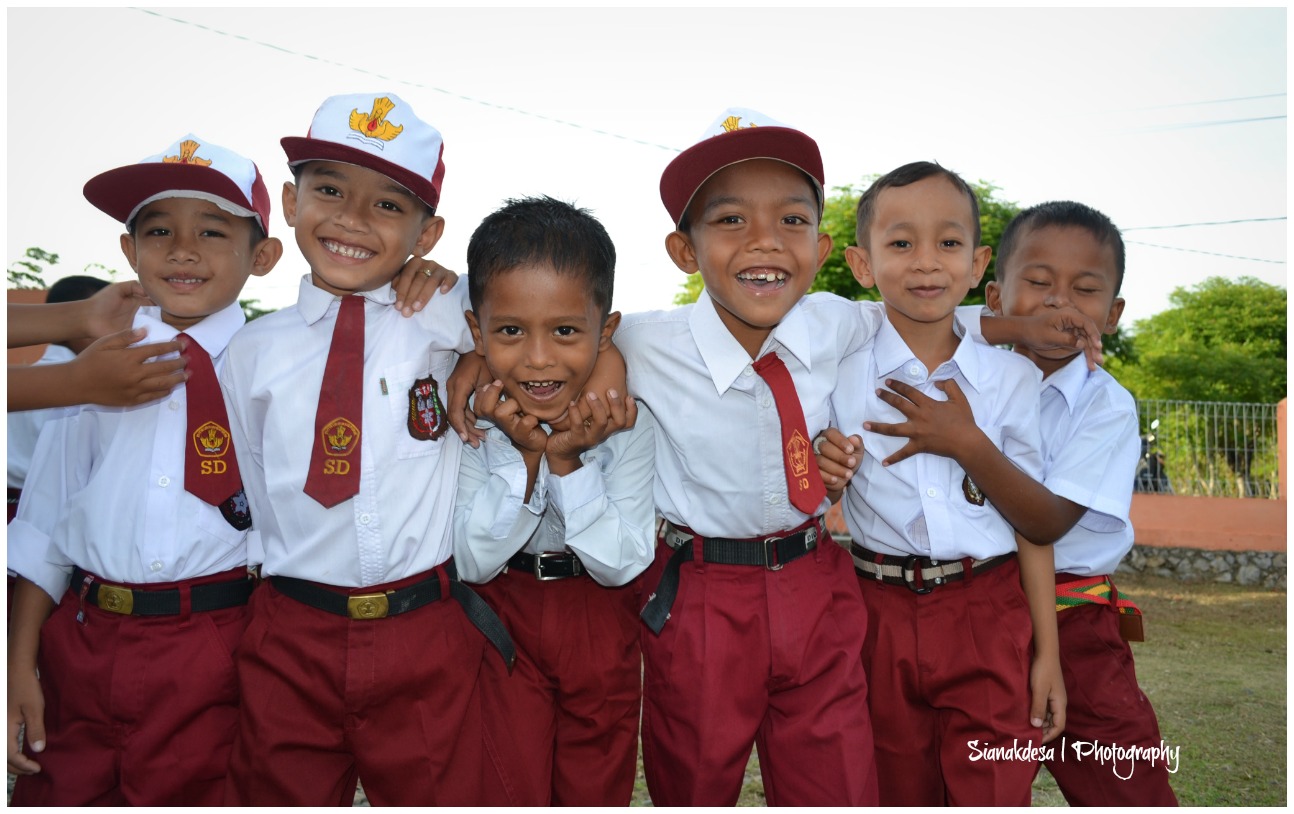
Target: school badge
{"type": "Point", "coordinates": [188, 148]}
{"type": "Point", "coordinates": [373, 125]}
{"type": "Point", "coordinates": [236, 511]}
{"type": "Point", "coordinates": [340, 438]}
{"type": "Point", "coordinates": [734, 123]}
{"type": "Point", "coordinates": [797, 457]}
{"type": "Point", "coordinates": [972, 492]}
{"type": "Point", "coordinates": [427, 420]}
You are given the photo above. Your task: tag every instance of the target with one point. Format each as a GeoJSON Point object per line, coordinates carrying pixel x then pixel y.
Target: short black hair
{"type": "Point", "coordinates": [901, 177]}
{"type": "Point", "coordinates": [1062, 213]}
{"type": "Point", "coordinates": [73, 288]}
{"type": "Point", "coordinates": [542, 231]}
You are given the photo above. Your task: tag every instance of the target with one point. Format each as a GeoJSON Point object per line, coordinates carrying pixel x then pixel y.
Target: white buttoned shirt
{"type": "Point", "coordinates": [400, 522]}
{"type": "Point", "coordinates": [920, 505]}
{"type": "Point", "coordinates": [602, 512]}
{"type": "Point", "coordinates": [106, 488]}
{"type": "Point", "coordinates": [719, 459]}
{"type": "Point", "coordinates": [25, 425]}
{"type": "Point", "coordinates": [1090, 451]}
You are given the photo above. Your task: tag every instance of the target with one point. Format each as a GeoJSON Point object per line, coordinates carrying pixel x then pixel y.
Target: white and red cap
{"type": "Point", "coordinates": [737, 135]}
{"type": "Point", "coordinates": [377, 131]}
{"type": "Point", "coordinates": [190, 168]}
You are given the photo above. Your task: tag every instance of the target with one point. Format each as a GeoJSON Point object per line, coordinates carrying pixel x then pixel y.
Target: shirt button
{"type": "Point", "coordinates": [156, 566]}
{"type": "Point", "coordinates": [773, 500]}
{"type": "Point", "coordinates": [914, 371]}
{"type": "Point", "coordinates": [163, 481]}
{"type": "Point", "coordinates": [931, 492]}
{"type": "Point", "coordinates": [749, 371]}
{"type": "Point", "coordinates": [175, 405]}
{"type": "Point", "coordinates": [767, 402]}
{"type": "Point", "coordinates": [364, 518]}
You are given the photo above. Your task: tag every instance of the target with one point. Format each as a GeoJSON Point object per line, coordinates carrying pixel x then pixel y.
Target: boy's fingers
{"type": "Point", "coordinates": [907, 391]}
{"type": "Point", "coordinates": [892, 430]}
{"type": "Point", "coordinates": [909, 449]}
{"type": "Point", "coordinates": [903, 405]}
{"type": "Point", "coordinates": [631, 412]}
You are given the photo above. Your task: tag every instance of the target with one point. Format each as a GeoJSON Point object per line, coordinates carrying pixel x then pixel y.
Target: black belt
{"type": "Point", "coordinates": [548, 565]}
{"type": "Point", "coordinates": [142, 602]}
{"type": "Point", "coordinates": [921, 575]}
{"type": "Point", "coordinates": [769, 552]}
{"type": "Point", "coordinates": [14, 494]}
{"type": "Point", "coordinates": [402, 600]}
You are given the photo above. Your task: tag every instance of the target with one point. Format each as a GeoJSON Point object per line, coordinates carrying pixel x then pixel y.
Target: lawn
{"type": "Point", "coordinates": [1213, 664]}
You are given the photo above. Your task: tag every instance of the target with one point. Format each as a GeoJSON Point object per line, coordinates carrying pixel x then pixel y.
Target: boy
{"type": "Point", "coordinates": [1054, 255]}
{"type": "Point", "coordinates": [939, 562]}
{"type": "Point", "coordinates": [754, 624]}
{"type": "Point", "coordinates": [361, 661]}
{"type": "Point", "coordinates": [141, 510]}
{"type": "Point", "coordinates": [554, 510]}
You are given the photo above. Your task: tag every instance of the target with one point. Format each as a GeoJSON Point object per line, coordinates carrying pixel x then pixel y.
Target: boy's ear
{"type": "Point", "coordinates": [983, 254]}
{"type": "Point", "coordinates": [290, 203]}
{"type": "Point", "coordinates": [860, 263]}
{"type": "Point", "coordinates": [266, 255]}
{"type": "Point", "coordinates": [993, 297]}
{"type": "Point", "coordinates": [128, 249]}
{"type": "Point", "coordinates": [476, 332]}
{"type": "Point", "coordinates": [681, 251]}
{"type": "Point", "coordinates": [824, 247]}
{"type": "Point", "coordinates": [432, 229]}
{"type": "Point", "coordinates": [1112, 319]}
{"type": "Point", "coordinates": [609, 326]}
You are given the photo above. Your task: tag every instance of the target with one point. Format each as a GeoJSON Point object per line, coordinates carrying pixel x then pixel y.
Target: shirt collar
{"type": "Point", "coordinates": [313, 302]}
{"type": "Point", "coordinates": [212, 333]}
{"type": "Point", "coordinates": [725, 358]}
{"type": "Point", "coordinates": [893, 354]}
{"type": "Point", "coordinates": [1069, 380]}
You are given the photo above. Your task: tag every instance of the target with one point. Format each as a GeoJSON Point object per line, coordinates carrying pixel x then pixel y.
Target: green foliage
{"type": "Point", "coordinates": [1222, 340]}
{"type": "Point", "coordinates": [252, 309]}
{"type": "Point", "coordinates": [28, 272]}
{"type": "Point", "coordinates": [690, 291]}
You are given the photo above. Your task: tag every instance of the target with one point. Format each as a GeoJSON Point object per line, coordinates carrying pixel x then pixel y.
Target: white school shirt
{"type": "Point", "coordinates": [918, 506]}
{"type": "Point", "coordinates": [719, 461]}
{"type": "Point", "coordinates": [106, 488]}
{"type": "Point", "coordinates": [25, 425]}
{"type": "Point", "coordinates": [602, 511]}
{"type": "Point", "coordinates": [399, 524]}
{"type": "Point", "coordinates": [1091, 447]}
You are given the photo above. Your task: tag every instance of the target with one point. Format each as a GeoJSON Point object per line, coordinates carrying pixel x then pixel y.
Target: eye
{"type": "Point", "coordinates": [566, 330]}
{"type": "Point", "coordinates": [212, 233]}
{"type": "Point", "coordinates": [900, 244]}
{"type": "Point", "coordinates": [1036, 283]}
{"type": "Point", "coordinates": [158, 231]}
{"type": "Point", "coordinates": [729, 220]}
{"type": "Point", "coordinates": [389, 206]}
{"type": "Point", "coordinates": [328, 189]}
{"type": "Point", "coordinates": [510, 330]}
{"type": "Point", "coordinates": [1088, 291]}
{"type": "Point", "coordinates": [795, 220]}
{"type": "Point", "coordinates": [950, 243]}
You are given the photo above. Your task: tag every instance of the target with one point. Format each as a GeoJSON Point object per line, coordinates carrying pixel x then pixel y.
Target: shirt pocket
{"type": "Point", "coordinates": [418, 417]}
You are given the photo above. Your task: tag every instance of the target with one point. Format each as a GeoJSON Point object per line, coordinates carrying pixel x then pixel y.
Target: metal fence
{"type": "Point", "coordinates": [1218, 449]}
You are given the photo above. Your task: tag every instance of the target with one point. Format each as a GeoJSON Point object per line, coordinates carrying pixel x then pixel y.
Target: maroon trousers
{"type": "Point", "coordinates": [563, 728]}
{"type": "Point", "coordinates": [948, 673]}
{"type": "Point", "coordinates": [773, 658]}
{"type": "Point", "coordinates": [330, 700]}
{"type": "Point", "coordinates": [1106, 706]}
{"type": "Point", "coordinates": [139, 711]}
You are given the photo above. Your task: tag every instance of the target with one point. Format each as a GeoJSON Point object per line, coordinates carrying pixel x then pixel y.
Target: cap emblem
{"type": "Point", "coordinates": [187, 149]}
{"type": "Point", "coordinates": [373, 125]}
{"type": "Point", "coordinates": [734, 123]}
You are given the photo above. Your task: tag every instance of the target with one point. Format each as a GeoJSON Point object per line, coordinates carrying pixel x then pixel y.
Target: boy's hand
{"type": "Point", "coordinates": [418, 281]}
{"type": "Point", "coordinates": [1047, 705]}
{"type": "Point", "coordinates": [838, 459]}
{"type": "Point", "coordinates": [589, 421]}
{"type": "Point", "coordinates": [523, 430]}
{"type": "Point", "coordinates": [469, 374]}
{"type": "Point", "coordinates": [1065, 328]}
{"type": "Point", "coordinates": [112, 309]}
{"type": "Point", "coordinates": [111, 373]}
{"type": "Point", "coordinates": [937, 427]}
{"type": "Point", "coordinates": [26, 719]}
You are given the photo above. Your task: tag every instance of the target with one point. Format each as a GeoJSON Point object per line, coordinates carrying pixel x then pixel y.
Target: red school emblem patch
{"type": "Point", "coordinates": [427, 420]}
{"type": "Point", "coordinates": [340, 437]}
{"type": "Point", "coordinates": [211, 440]}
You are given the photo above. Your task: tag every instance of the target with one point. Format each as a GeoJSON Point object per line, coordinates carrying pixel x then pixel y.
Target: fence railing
{"type": "Point", "coordinates": [1218, 449]}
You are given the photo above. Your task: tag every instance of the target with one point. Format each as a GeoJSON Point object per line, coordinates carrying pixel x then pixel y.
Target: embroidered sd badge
{"type": "Point", "coordinates": [427, 420]}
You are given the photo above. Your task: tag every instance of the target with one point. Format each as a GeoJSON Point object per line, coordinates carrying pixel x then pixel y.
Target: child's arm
{"type": "Point", "coordinates": [108, 311]}
{"type": "Point", "coordinates": [836, 460]}
{"type": "Point", "coordinates": [470, 373]}
{"type": "Point", "coordinates": [1062, 328]}
{"type": "Point", "coordinates": [522, 430]}
{"type": "Point", "coordinates": [109, 372]}
{"type": "Point", "coordinates": [31, 607]}
{"type": "Point", "coordinates": [417, 283]}
{"type": "Point", "coordinates": [948, 428]}
{"type": "Point", "coordinates": [1047, 687]}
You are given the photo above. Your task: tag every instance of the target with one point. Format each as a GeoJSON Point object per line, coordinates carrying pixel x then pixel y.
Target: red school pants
{"type": "Point", "coordinates": [1106, 706]}
{"type": "Point", "coordinates": [773, 658]}
{"type": "Point", "coordinates": [949, 674]}
{"type": "Point", "coordinates": [330, 700]}
{"type": "Point", "coordinates": [139, 710]}
{"type": "Point", "coordinates": [563, 728]}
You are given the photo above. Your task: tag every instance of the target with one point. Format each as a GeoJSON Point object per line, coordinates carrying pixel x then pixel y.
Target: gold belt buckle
{"type": "Point", "coordinates": [116, 600]}
{"type": "Point", "coordinates": [368, 606]}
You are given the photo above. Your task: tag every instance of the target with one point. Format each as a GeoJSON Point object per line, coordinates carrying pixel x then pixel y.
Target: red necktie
{"type": "Point", "coordinates": [334, 463]}
{"type": "Point", "coordinates": [803, 481]}
{"type": "Point", "coordinates": [210, 468]}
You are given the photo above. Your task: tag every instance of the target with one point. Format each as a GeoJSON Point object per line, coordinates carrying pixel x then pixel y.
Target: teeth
{"type": "Point", "coordinates": [765, 276]}
{"type": "Point", "coordinates": [539, 384]}
{"type": "Point", "coordinates": [347, 251]}
{"type": "Point", "coordinates": [183, 280]}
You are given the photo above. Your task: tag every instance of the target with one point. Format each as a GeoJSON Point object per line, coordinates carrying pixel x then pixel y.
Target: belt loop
{"type": "Point", "coordinates": [186, 605]}
{"type": "Point", "coordinates": [442, 576]}
{"type": "Point", "coordinates": [698, 553]}
{"type": "Point", "coordinates": [968, 570]}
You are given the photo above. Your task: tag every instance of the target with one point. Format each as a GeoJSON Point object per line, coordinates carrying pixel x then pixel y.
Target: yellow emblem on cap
{"type": "Point", "coordinates": [187, 149]}
{"type": "Point", "coordinates": [797, 452]}
{"type": "Point", "coordinates": [211, 440]}
{"type": "Point", "coordinates": [339, 437]}
{"type": "Point", "coordinates": [734, 123]}
{"type": "Point", "coordinates": [374, 124]}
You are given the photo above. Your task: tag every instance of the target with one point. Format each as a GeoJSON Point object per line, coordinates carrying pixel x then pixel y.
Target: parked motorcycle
{"type": "Point", "coordinates": [1152, 473]}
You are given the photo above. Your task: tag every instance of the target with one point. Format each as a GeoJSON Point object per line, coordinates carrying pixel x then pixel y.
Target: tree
{"type": "Point", "coordinates": [27, 274]}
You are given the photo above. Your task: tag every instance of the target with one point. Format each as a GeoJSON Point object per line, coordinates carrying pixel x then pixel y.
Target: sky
{"type": "Point", "coordinates": [1160, 117]}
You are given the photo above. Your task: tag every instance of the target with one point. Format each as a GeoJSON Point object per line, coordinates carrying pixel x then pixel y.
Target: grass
{"type": "Point", "coordinates": [1213, 665]}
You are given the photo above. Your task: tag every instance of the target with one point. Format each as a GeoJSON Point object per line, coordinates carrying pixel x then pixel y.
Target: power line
{"type": "Point", "coordinates": [450, 93]}
{"type": "Point", "coordinates": [1203, 102]}
{"type": "Point", "coordinates": [1190, 125]}
{"type": "Point", "coordinates": [1211, 254]}
{"type": "Point", "coordinates": [1202, 223]}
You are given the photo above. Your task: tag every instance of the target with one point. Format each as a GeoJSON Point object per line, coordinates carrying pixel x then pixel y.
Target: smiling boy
{"type": "Point", "coordinates": [135, 523]}
{"type": "Point", "coordinates": [554, 511]}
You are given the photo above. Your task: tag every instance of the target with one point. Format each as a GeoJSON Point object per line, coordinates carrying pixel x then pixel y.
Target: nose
{"type": "Point", "coordinates": [1056, 300]}
{"type": "Point", "coordinates": [183, 248]}
{"type": "Point", "coordinates": [351, 215]}
{"type": "Point", "coordinates": [763, 235]}
{"type": "Point", "coordinates": [538, 352]}
{"type": "Point", "coordinates": [926, 258]}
